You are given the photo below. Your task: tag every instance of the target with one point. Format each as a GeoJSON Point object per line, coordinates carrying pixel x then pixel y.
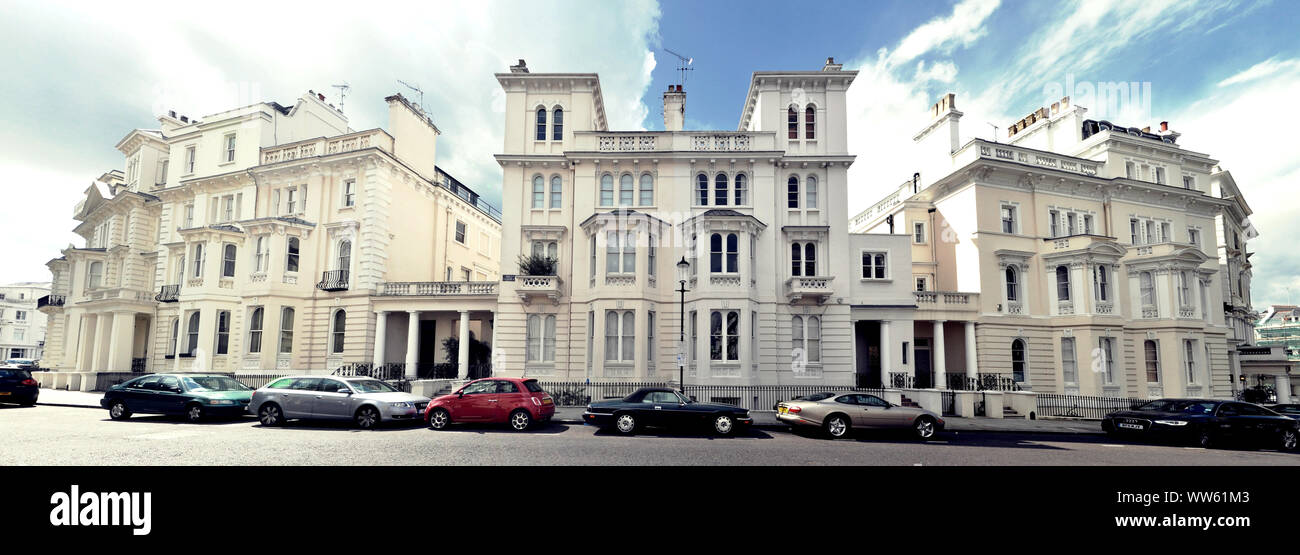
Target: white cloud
{"type": "Point", "coordinates": [960, 29]}
{"type": "Point", "coordinates": [1263, 69]}
{"type": "Point", "coordinates": [164, 55]}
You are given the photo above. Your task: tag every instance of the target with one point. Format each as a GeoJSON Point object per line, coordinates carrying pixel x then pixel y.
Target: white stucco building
{"type": "Point", "coordinates": [1087, 252]}
{"type": "Point", "coordinates": [777, 290]}
{"type": "Point", "coordinates": [22, 324]}
{"type": "Point", "coordinates": [263, 238]}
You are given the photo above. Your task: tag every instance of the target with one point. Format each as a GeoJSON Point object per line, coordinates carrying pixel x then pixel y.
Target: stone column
{"type": "Point", "coordinates": [972, 369]}
{"type": "Point", "coordinates": [886, 361]}
{"type": "Point", "coordinates": [412, 343]}
{"type": "Point", "coordinates": [83, 360]}
{"type": "Point", "coordinates": [121, 342]}
{"type": "Point", "coordinates": [381, 337]}
{"type": "Point", "coordinates": [462, 355]}
{"type": "Point", "coordinates": [180, 342]}
{"type": "Point", "coordinates": [940, 365]}
{"type": "Point", "coordinates": [1283, 388]}
{"type": "Point", "coordinates": [98, 360]}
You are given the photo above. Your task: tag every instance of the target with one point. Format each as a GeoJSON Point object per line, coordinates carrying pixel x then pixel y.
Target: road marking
{"type": "Point", "coordinates": [1110, 445]}
{"type": "Point", "coordinates": [916, 464]}
{"type": "Point", "coordinates": [164, 435]}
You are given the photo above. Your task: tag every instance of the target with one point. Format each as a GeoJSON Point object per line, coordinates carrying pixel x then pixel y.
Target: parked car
{"type": "Point", "coordinates": [17, 386]}
{"type": "Point", "coordinates": [810, 397]}
{"type": "Point", "coordinates": [1205, 422]}
{"type": "Point", "coordinates": [517, 401]}
{"type": "Point", "coordinates": [665, 408]}
{"type": "Point", "coordinates": [195, 396]}
{"type": "Point", "coordinates": [366, 401]}
{"type": "Point", "coordinates": [20, 364]}
{"type": "Point", "coordinates": [840, 414]}
{"type": "Point", "coordinates": [1288, 410]}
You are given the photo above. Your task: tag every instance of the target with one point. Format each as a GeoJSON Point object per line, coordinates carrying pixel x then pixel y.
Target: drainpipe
{"type": "Point", "coordinates": [934, 252]}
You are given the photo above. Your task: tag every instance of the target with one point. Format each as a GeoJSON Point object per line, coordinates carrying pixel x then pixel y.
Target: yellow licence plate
{"type": "Point", "coordinates": [547, 401]}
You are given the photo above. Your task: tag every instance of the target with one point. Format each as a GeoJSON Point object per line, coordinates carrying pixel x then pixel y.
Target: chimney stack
{"type": "Point", "coordinates": [674, 108]}
{"type": "Point", "coordinates": [520, 67]}
{"type": "Point", "coordinates": [1164, 126]}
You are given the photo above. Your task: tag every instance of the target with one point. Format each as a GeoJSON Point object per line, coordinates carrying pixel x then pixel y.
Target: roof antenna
{"type": "Point", "coordinates": [683, 65]}
{"type": "Point", "coordinates": [995, 130]}
{"type": "Point", "coordinates": [343, 92]}
{"type": "Point", "coordinates": [418, 92]}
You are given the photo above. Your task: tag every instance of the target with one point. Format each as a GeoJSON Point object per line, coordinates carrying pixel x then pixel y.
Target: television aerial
{"type": "Point", "coordinates": [683, 65]}
{"type": "Point", "coordinates": [343, 92]}
{"type": "Point", "coordinates": [419, 93]}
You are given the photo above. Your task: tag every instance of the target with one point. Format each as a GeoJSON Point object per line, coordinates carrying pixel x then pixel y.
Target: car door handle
{"type": "Point", "coordinates": [492, 400]}
{"type": "Point", "coordinates": [657, 407]}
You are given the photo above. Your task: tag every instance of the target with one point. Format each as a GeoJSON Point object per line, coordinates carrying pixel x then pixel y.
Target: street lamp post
{"type": "Point", "coordinates": [683, 269]}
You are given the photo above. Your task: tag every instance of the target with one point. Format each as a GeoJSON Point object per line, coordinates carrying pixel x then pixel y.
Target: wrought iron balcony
{"type": "Point", "coordinates": [50, 300]}
{"type": "Point", "coordinates": [334, 280]}
{"type": "Point", "coordinates": [168, 294]}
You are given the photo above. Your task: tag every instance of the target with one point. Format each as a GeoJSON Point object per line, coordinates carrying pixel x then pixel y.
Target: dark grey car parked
{"type": "Point", "coordinates": [366, 401]}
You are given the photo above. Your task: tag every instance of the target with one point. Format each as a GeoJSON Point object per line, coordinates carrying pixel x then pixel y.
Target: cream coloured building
{"type": "Point", "coordinates": [777, 290]}
{"type": "Point", "coordinates": [22, 324]}
{"type": "Point", "coordinates": [265, 238]}
{"type": "Point", "coordinates": [1085, 253]}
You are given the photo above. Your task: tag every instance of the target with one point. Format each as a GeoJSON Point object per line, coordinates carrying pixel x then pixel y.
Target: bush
{"type": "Point", "coordinates": [537, 265]}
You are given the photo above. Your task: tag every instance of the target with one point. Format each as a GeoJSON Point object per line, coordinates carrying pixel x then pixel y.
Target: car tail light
{"type": "Point", "coordinates": [794, 409]}
{"type": "Point", "coordinates": [29, 382]}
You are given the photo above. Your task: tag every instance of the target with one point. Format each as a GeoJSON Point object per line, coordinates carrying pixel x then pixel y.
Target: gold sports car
{"type": "Point", "coordinates": [839, 414]}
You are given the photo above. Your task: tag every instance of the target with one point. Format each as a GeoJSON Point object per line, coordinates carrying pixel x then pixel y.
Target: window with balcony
{"type": "Point", "coordinates": [1151, 351]}
{"type": "Point", "coordinates": [724, 341]}
{"type": "Point", "coordinates": [338, 331]}
{"type": "Point", "coordinates": [286, 330]}
{"type": "Point", "coordinates": [620, 336]}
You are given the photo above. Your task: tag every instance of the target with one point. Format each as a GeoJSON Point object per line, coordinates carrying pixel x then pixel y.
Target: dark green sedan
{"type": "Point", "coordinates": [194, 396]}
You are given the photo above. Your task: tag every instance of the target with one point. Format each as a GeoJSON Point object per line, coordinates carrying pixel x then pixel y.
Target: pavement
{"type": "Point", "coordinates": [762, 418]}
{"type": "Point", "coordinates": [61, 435]}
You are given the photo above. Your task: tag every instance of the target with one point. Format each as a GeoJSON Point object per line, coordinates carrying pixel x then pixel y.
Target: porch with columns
{"type": "Point", "coordinates": [414, 337]}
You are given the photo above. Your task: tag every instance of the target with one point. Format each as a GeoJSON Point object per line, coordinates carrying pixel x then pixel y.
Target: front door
{"type": "Point", "coordinates": [924, 376]}
{"type": "Point", "coordinates": [429, 351]}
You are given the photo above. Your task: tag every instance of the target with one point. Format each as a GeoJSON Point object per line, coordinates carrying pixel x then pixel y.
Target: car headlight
{"type": "Point", "coordinates": [402, 405]}
{"type": "Point", "coordinates": [220, 402]}
{"type": "Point", "coordinates": [1172, 422]}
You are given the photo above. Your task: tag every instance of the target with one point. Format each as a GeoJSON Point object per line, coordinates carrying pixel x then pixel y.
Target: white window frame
{"type": "Point", "coordinates": [873, 265]}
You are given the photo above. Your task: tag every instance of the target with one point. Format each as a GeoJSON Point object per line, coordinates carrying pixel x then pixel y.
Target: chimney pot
{"type": "Point", "coordinates": [1164, 126]}
{"type": "Point", "coordinates": [320, 96]}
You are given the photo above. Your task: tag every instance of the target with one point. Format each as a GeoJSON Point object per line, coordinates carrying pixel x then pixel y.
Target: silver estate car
{"type": "Point", "coordinates": [366, 401]}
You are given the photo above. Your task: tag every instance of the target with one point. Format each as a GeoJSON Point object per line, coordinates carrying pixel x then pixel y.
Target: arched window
{"type": "Point", "coordinates": [255, 331]}
{"type": "Point", "coordinates": [1018, 360]}
{"type": "Point", "coordinates": [741, 190]}
{"type": "Point", "coordinates": [607, 190]}
{"type": "Point", "coordinates": [338, 333]}
{"type": "Point", "coordinates": [541, 124]}
{"type": "Point", "coordinates": [1147, 286]}
{"type": "Point", "coordinates": [720, 189]}
{"type": "Point", "coordinates": [539, 192]}
{"type": "Point", "coordinates": [814, 341]}
{"type": "Point", "coordinates": [792, 123]}
{"type": "Point", "coordinates": [96, 275]}
{"type": "Point", "coordinates": [810, 188]}
{"type": "Point", "coordinates": [291, 256]}
{"type": "Point", "coordinates": [796, 335]}
{"type": "Point", "coordinates": [176, 336]}
{"type": "Point", "coordinates": [1062, 283]}
{"type": "Point", "coordinates": [557, 191]}
{"type": "Point", "coordinates": [810, 259]}
{"type": "Point", "coordinates": [557, 124]}
{"type": "Point", "coordinates": [809, 119]}
{"type": "Point", "coordinates": [715, 253]}
{"type": "Point", "coordinates": [1152, 360]}
{"type": "Point", "coordinates": [1103, 283]}
{"type": "Point", "coordinates": [228, 260]}
{"type": "Point", "coordinates": [625, 190]}
{"type": "Point", "coordinates": [733, 253]}
{"type": "Point", "coordinates": [792, 192]}
{"type": "Point", "coordinates": [702, 190]}
{"type": "Point", "coordinates": [1013, 285]}
{"type": "Point", "coordinates": [198, 260]}
{"type": "Point", "coordinates": [796, 259]}
{"type": "Point", "coordinates": [192, 331]}
{"type": "Point", "coordinates": [647, 190]}
{"type": "Point", "coordinates": [286, 330]}
{"type": "Point", "coordinates": [261, 254]}
{"type": "Point", "coordinates": [345, 255]}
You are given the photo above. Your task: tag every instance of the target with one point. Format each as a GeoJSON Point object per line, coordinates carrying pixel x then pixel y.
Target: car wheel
{"type": "Point", "coordinates": [270, 415]}
{"type": "Point", "coordinates": [924, 428]}
{"type": "Point", "coordinates": [520, 420]}
{"type": "Point", "coordinates": [439, 418]}
{"type": "Point", "coordinates": [1288, 442]}
{"type": "Point", "coordinates": [837, 426]}
{"type": "Point", "coordinates": [194, 413]}
{"type": "Point", "coordinates": [118, 411]}
{"type": "Point", "coordinates": [724, 424]}
{"type": "Point", "coordinates": [1205, 439]}
{"type": "Point", "coordinates": [625, 423]}
{"type": "Point", "coordinates": [367, 417]}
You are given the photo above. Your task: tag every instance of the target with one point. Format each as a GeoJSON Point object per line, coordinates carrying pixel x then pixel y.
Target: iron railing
{"type": "Point", "coordinates": [50, 300]}
{"type": "Point", "coordinates": [333, 280]}
{"type": "Point", "coordinates": [901, 380]}
{"type": "Point", "coordinates": [1083, 406]}
{"type": "Point", "coordinates": [168, 294]}
{"type": "Point", "coordinates": [752, 397]}
{"type": "Point", "coordinates": [138, 364]}
{"type": "Point", "coordinates": [578, 394]}
{"type": "Point", "coordinates": [398, 371]}
{"type": "Point", "coordinates": [982, 382]}
{"type": "Point", "coordinates": [949, 402]}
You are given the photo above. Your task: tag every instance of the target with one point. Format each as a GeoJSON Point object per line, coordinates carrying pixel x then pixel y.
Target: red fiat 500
{"type": "Point", "coordinates": [516, 401]}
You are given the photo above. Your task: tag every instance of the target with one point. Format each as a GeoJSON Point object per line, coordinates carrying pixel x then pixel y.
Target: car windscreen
{"type": "Point", "coordinates": [372, 386]}
{"type": "Point", "coordinates": [533, 386]}
{"type": "Point", "coordinates": [212, 383]}
{"type": "Point", "coordinates": [11, 373]}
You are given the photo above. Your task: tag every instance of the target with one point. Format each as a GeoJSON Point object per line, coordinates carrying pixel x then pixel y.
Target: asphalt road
{"type": "Point", "coordinates": [47, 435]}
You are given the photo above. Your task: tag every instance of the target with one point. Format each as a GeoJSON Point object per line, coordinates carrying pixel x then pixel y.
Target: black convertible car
{"type": "Point", "coordinates": [1206, 422]}
{"type": "Point", "coordinates": [667, 408]}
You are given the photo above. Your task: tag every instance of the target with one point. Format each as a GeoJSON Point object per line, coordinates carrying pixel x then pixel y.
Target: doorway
{"type": "Point", "coordinates": [924, 375]}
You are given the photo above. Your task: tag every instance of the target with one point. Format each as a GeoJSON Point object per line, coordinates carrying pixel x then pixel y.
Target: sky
{"type": "Point", "coordinates": [79, 77]}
